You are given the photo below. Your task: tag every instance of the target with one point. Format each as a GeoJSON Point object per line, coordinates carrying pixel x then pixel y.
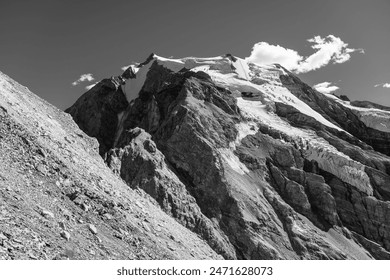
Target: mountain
{"type": "Point", "coordinates": [233, 159]}
{"type": "Point", "coordinates": [256, 162]}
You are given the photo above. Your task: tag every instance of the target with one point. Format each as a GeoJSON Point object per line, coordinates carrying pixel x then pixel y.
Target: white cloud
{"type": "Point", "coordinates": [325, 87]}
{"type": "Point", "coordinates": [83, 78]}
{"type": "Point", "coordinates": [385, 85]}
{"type": "Point", "coordinates": [329, 49]}
{"type": "Point", "coordinates": [90, 86]}
{"type": "Point", "coordinates": [264, 53]}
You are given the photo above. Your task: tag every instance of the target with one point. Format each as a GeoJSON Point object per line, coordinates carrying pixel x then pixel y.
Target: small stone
{"type": "Point", "coordinates": [17, 241]}
{"type": "Point", "coordinates": [67, 214]}
{"type": "Point", "coordinates": [146, 227]}
{"type": "Point", "coordinates": [32, 256]}
{"type": "Point", "coordinates": [40, 245]}
{"type": "Point", "coordinates": [65, 235]}
{"type": "Point", "coordinates": [92, 252]}
{"type": "Point", "coordinates": [150, 146]}
{"type": "Point", "coordinates": [98, 239]}
{"type": "Point", "coordinates": [62, 225]}
{"type": "Point", "coordinates": [171, 248]}
{"type": "Point", "coordinates": [47, 214]}
{"type": "Point", "coordinates": [92, 228]}
{"type": "Point", "coordinates": [58, 184]}
{"type": "Point", "coordinates": [123, 232]}
{"type": "Point", "coordinates": [67, 183]}
{"type": "Point", "coordinates": [118, 235]}
{"type": "Point", "coordinates": [41, 168]}
{"type": "Point", "coordinates": [85, 207]}
{"type": "Point", "coordinates": [108, 216]}
{"type": "Point", "coordinates": [2, 236]}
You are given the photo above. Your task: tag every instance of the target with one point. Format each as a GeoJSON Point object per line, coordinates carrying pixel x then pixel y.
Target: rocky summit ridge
{"type": "Point", "coordinates": [239, 160]}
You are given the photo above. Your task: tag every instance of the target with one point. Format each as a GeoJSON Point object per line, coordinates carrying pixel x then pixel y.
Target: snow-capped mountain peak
{"type": "Point", "coordinates": [266, 161]}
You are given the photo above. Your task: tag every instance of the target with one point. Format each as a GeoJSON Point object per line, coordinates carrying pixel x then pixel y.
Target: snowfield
{"type": "Point", "coordinates": [371, 117]}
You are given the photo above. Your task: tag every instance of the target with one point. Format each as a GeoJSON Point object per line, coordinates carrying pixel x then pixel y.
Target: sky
{"type": "Point", "coordinates": [58, 48]}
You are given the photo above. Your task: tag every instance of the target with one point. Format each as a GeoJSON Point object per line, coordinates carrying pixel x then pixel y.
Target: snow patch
{"type": "Point", "coordinates": [244, 129]}
{"type": "Point", "coordinates": [204, 68]}
{"type": "Point", "coordinates": [134, 86]}
{"type": "Point", "coordinates": [379, 120]}
{"type": "Point", "coordinates": [174, 65]}
{"type": "Point", "coordinates": [338, 164]}
{"type": "Point", "coordinates": [242, 68]}
{"type": "Point", "coordinates": [233, 161]}
{"type": "Point", "coordinates": [282, 94]}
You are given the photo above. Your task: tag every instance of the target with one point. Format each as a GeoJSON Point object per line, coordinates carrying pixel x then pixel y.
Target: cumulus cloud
{"type": "Point", "coordinates": [264, 53]}
{"type": "Point", "coordinates": [385, 85]}
{"type": "Point", "coordinates": [84, 78]}
{"type": "Point", "coordinates": [325, 87]}
{"type": "Point", "coordinates": [329, 49]}
{"type": "Point", "coordinates": [90, 86]}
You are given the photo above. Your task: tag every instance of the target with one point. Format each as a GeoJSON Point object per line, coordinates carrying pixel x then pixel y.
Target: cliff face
{"type": "Point", "coordinates": [250, 158]}
{"type": "Point", "coordinates": [97, 111]}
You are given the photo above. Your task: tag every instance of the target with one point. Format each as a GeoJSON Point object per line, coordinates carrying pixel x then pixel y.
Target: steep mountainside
{"type": "Point", "coordinates": [253, 160]}
{"type": "Point", "coordinates": [58, 199]}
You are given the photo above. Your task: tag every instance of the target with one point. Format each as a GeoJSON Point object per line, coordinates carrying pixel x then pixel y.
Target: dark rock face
{"type": "Point", "coordinates": [138, 161]}
{"type": "Point", "coordinates": [365, 215]}
{"type": "Point", "coordinates": [344, 97]}
{"type": "Point", "coordinates": [96, 112]}
{"type": "Point", "coordinates": [248, 188]}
